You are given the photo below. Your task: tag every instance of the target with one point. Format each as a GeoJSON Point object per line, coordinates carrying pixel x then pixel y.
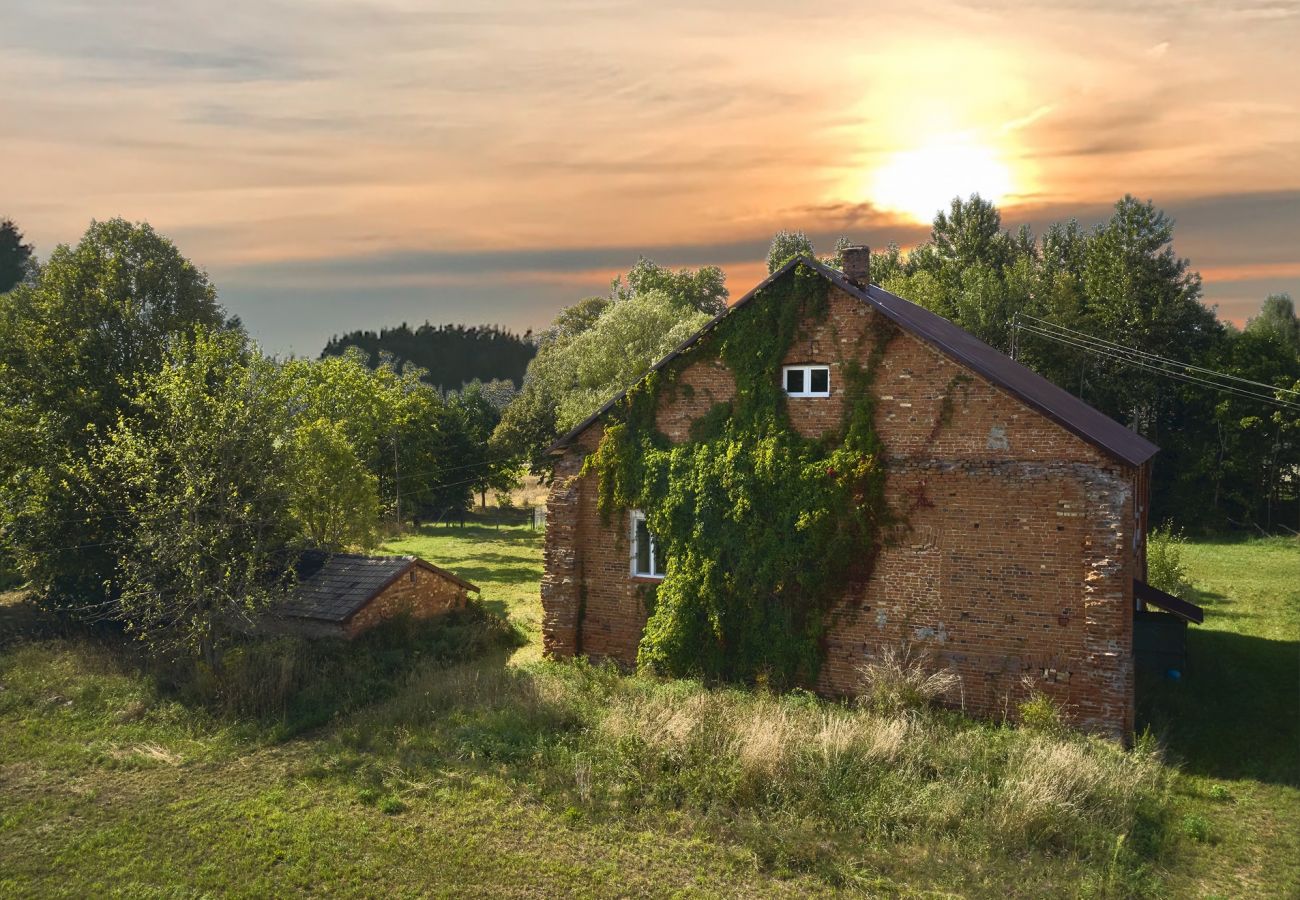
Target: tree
{"type": "Point", "coordinates": [1277, 319]}
{"type": "Point", "coordinates": [15, 256]}
{"type": "Point", "coordinates": [601, 346]}
{"type": "Point", "coordinates": [1141, 294]}
{"type": "Point", "coordinates": [482, 405]}
{"type": "Point", "coordinates": [199, 465]}
{"type": "Point", "coordinates": [704, 289]}
{"type": "Point", "coordinates": [334, 499]}
{"type": "Point", "coordinates": [786, 245]}
{"type": "Point", "coordinates": [73, 346]}
{"type": "Point", "coordinates": [449, 355]}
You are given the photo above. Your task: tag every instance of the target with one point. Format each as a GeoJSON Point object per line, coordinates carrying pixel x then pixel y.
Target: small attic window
{"type": "Point", "coordinates": [807, 381]}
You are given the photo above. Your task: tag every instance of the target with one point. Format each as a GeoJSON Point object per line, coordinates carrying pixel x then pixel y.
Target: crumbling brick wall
{"type": "Point", "coordinates": [419, 593]}
{"type": "Point", "coordinates": [1014, 566]}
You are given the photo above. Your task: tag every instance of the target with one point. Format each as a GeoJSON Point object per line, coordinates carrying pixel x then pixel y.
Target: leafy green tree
{"type": "Point", "coordinates": [482, 405]}
{"type": "Point", "coordinates": [601, 346]}
{"type": "Point", "coordinates": [786, 245]}
{"type": "Point", "coordinates": [199, 466]}
{"type": "Point", "coordinates": [1141, 294]}
{"type": "Point", "coordinates": [419, 447]}
{"type": "Point", "coordinates": [1278, 319]}
{"type": "Point", "coordinates": [73, 346]}
{"type": "Point", "coordinates": [703, 289]}
{"type": "Point", "coordinates": [333, 497]}
{"type": "Point", "coordinates": [15, 256]}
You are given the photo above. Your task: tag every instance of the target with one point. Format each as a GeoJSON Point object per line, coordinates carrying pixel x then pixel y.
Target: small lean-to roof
{"type": "Point", "coordinates": [334, 587]}
{"type": "Point", "coordinates": [1028, 386]}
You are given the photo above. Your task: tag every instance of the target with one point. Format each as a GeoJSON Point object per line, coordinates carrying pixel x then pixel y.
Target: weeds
{"type": "Point", "coordinates": [1165, 569]}
{"type": "Point", "coordinates": [764, 768]}
{"type": "Point", "coordinates": [900, 678]}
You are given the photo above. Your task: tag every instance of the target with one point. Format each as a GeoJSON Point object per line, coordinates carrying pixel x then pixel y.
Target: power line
{"type": "Point", "coordinates": [1190, 379]}
{"type": "Point", "coordinates": [1160, 370]}
{"type": "Point", "coordinates": [1152, 356]}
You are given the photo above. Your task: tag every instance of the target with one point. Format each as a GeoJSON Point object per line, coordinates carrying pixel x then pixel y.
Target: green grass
{"type": "Point", "coordinates": [510, 775]}
{"type": "Point", "coordinates": [1233, 721]}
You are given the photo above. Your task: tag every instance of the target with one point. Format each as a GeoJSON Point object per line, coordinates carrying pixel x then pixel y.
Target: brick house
{"type": "Point", "coordinates": [344, 594]}
{"type": "Point", "coordinates": [1022, 564]}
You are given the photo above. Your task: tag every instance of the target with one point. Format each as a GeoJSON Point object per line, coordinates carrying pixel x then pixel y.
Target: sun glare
{"type": "Point", "coordinates": [919, 182]}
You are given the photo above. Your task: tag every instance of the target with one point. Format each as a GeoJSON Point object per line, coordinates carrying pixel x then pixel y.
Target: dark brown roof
{"type": "Point", "coordinates": [334, 587]}
{"type": "Point", "coordinates": [1168, 602]}
{"type": "Point", "coordinates": [1034, 390]}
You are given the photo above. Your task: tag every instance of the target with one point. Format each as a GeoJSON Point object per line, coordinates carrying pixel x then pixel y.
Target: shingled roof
{"type": "Point", "coordinates": [334, 587]}
{"type": "Point", "coordinates": [1028, 386]}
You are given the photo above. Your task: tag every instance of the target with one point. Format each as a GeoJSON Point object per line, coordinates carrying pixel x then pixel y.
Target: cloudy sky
{"type": "Point", "coordinates": [337, 164]}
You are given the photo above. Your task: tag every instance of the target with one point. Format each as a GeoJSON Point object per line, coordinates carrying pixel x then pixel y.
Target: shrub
{"type": "Point", "coordinates": [1165, 568]}
{"type": "Point", "coordinates": [899, 678]}
{"type": "Point", "coordinates": [1041, 713]}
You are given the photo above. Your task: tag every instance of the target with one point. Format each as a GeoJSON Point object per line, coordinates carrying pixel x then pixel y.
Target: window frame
{"type": "Point", "coordinates": [655, 573]}
{"type": "Point", "coordinates": [807, 369]}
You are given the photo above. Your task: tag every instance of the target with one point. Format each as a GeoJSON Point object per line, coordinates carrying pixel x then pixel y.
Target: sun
{"type": "Point", "coordinates": [919, 182]}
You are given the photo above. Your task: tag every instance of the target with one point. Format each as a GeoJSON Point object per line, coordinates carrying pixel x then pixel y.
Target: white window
{"type": "Point", "coordinates": [648, 561]}
{"type": "Point", "coordinates": [807, 381]}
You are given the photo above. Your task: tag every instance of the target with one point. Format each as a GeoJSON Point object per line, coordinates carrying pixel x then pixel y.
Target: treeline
{"type": "Point", "coordinates": [156, 469]}
{"type": "Point", "coordinates": [1111, 314]}
{"type": "Point", "coordinates": [449, 355]}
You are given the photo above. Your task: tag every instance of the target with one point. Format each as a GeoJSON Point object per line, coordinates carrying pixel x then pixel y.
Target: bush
{"type": "Point", "coordinates": [1041, 713]}
{"type": "Point", "coordinates": [1165, 568]}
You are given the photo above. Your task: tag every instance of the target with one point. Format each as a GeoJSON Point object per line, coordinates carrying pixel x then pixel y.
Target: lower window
{"type": "Point", "coordinates": [648, 560]}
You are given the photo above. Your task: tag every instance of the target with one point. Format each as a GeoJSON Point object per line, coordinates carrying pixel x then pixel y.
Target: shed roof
{"type": "Point", "coordinates": [334, 587]}
{"type": "Point", "coordinates": [1028, 386]}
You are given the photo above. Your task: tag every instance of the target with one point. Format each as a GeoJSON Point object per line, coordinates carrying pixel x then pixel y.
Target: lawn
{"type": "Point", "coordinates": [511, 776]}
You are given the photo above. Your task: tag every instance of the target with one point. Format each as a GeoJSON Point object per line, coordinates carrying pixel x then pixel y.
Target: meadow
{"type": "Point", "coordinates": [453, 760]}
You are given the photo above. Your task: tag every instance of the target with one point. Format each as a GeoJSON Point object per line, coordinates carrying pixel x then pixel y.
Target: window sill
{"type": "Point", "coordinates": [647, 579]}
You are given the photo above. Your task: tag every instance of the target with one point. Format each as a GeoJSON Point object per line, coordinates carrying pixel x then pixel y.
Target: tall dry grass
{"type": "Point", "coordinates": [768, 766]}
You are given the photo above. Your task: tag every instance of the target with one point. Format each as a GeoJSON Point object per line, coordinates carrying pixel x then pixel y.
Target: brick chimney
{"type": "Point", "coordinates": [857, 264]}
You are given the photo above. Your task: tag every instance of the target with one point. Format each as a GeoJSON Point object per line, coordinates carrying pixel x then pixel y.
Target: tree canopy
{"type": "Point", "coordinates": [450, 356]}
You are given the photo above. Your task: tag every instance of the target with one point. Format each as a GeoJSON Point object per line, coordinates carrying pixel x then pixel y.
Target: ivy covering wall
{"type": "Point", "coordinates": [762, 527]}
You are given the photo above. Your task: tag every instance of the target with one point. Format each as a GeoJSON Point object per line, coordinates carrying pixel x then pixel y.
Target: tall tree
{"type": "Point", "coordinates": [73, 346]}
{"type": "Point", "coordinates": [15, 256]}
{"type": "Point", "coordinates": [333, 497]}
{"type": "Point", "coordinates": [786, 245]}
{"type": "Point", "coordinates": [601, 346]}
{"type": "Point", "coordinates": [199, 466]}
{"type": "Point", "coordinates": [1278, 320]}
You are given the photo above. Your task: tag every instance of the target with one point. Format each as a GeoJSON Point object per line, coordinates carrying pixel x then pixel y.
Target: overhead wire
{"type": "Point", "coordinates": [1127, 356]}
{"type": "Point", "coordinates": [1089, 338]}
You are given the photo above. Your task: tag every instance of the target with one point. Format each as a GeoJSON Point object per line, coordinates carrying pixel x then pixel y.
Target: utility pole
{"type": "Point", "coordinates": [1015, 334]}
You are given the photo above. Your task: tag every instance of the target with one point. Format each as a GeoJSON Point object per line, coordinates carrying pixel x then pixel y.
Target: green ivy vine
{"type": "Point", "coordinates": [762, 527]}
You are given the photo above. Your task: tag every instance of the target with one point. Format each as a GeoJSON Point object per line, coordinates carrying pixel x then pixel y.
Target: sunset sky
{"type": "Point", "coordinates": [336, 165]}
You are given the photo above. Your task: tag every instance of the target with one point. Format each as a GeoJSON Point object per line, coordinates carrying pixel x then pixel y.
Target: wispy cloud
{"type": "Point", "coordinates": [306, 150]}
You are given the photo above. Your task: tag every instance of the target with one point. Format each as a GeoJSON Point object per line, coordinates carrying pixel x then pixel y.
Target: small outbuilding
{"type": "Point", "coordinates": [344, 594]}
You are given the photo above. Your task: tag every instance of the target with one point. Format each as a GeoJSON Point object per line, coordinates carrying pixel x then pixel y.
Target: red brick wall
{"type": "Point", "coordinates": [419, 593]}
{"type": "Point", "coordinates": [1017, 563]}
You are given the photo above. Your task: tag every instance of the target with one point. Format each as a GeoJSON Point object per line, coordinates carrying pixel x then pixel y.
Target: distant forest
{"type": "Point", "coordinates": [453, 355]}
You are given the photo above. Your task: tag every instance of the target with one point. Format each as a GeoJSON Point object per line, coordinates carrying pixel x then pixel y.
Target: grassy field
{"type": "Point", "coordinates": [506, 775]}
